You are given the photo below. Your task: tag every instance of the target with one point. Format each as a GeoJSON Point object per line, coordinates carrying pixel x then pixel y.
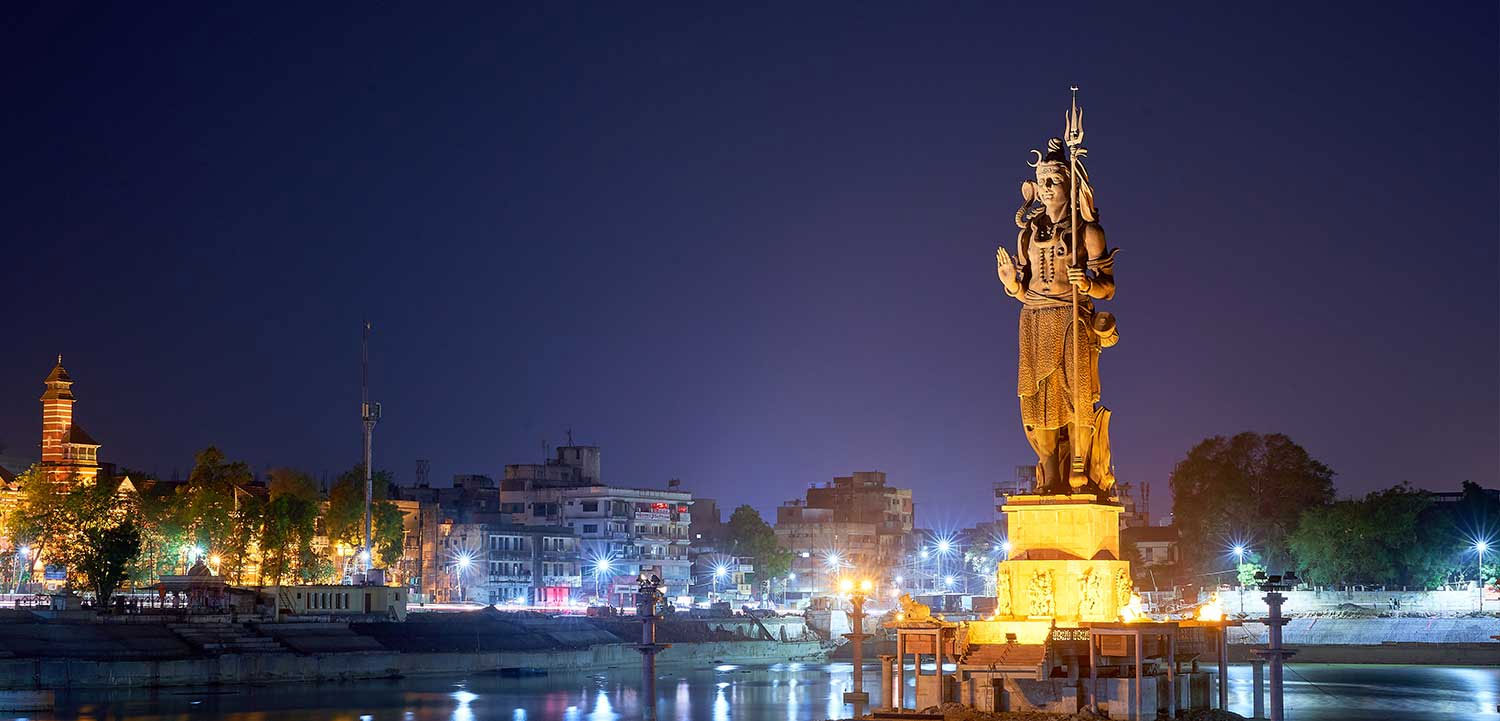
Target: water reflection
{"type": "Point", "coordinates": [790, 691]}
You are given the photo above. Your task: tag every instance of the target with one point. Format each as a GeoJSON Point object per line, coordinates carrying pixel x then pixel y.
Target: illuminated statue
{"type": "Point", "coordinates": [1057, 274]}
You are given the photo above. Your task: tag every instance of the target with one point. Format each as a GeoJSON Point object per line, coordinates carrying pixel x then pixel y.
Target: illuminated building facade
{"type": "Point", "coordinates": [855, 521]}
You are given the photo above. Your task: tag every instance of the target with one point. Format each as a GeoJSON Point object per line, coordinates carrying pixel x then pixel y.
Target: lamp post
{"type": "Point", "coordinates": [1481, 546]}
{"type": "Point", "coordinates": [784, 584]}
{"type": "Point", "coordinates": [1274, 651]}
{"type": "Point", "coordinates": [601, 568]}
{"type": "Point", "coordinates": [461, 563]}
{"type": "Point", "coordinates": [719, 572]}
{"type": "Point", "coordinates": [23, 564]}
{"type": "Point", "coordinates": [857, 593]}
{"type": "Point", "coordinates": [1239, 556]}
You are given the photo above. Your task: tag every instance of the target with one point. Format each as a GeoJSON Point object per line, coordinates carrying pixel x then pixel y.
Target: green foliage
{"type": "Point", "coordinates": [208, 507]}
{"type": "Point", "coordinates": [104, 558]}
{"type": "Point", "coordinates": [1395, 537]}
{"type": "Point", "coordinates": [287, 527]}
{"type": "Point", "coordinates": [346, 505]}
{"type": "Point", "coordinates": [164, 537]}
{"type": "Point", "coordinates": [388, 532]}
{"type": "Point", "coordinates": [749, 535]}
{"type": "Point", "coordinates": [1248, 486]}
{"type": "Point", "coordinates": [1245, 572]}
{"type": "Point", "coordinates": [89, 529]}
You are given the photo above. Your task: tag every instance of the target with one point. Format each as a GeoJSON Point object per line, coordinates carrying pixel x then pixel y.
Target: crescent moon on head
{"type": "Point", "coordinates": [1038, 161]}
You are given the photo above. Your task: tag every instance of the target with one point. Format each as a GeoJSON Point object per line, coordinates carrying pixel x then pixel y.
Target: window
{"type": "Point", "coordinates": [590, 528]}
{"type": "Point", "coordinates": [590, 506]}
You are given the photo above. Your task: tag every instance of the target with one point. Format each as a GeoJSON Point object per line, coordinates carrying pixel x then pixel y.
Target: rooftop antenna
{"type": "Point", "coordinates": [570, 435]}
{"type": "Point", "coordinates": [423, 467]}
{"type": "Point", "coordinates": [369, 413]}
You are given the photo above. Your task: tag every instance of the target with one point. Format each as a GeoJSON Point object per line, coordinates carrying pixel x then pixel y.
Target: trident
{"type": "Point", "coordinates": [1073, 136]}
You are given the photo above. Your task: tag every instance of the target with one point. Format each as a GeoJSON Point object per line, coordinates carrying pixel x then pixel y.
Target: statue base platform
{"type": "Point", "coordinates": [1064, 561]}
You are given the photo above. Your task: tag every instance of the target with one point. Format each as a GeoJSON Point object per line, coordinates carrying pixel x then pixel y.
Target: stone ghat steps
{"type": "Point", "coordinates": [219, 638]}
{"type": "Point", "coordinates": [1006, 654]}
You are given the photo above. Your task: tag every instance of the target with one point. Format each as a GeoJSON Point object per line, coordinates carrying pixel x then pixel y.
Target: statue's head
{"type": "Point", "coordinates": [1052, 179]}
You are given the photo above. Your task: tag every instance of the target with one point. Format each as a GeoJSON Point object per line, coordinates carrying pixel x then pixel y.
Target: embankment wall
{"type": "Point", "coordinates": [52, 673]}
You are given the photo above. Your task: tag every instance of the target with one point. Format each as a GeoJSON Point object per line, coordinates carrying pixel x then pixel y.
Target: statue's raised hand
{"type": "Point", "coordinates": [1005, 268]}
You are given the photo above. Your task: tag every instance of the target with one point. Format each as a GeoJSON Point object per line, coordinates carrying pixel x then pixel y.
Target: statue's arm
{"type": "Point", "coordinates": [1102, 283]}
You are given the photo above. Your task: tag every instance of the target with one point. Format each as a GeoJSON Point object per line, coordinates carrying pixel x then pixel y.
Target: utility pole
{"type": "Point", "coordinates": [369, 413]}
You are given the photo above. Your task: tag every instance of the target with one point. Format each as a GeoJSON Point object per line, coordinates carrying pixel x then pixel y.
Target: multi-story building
{"type": "Point", "coordinates": [854, 522]}
{"type": "Point", "coordinates": [622, 531]}
{"type": "Point", "coordinates": [491, 560]}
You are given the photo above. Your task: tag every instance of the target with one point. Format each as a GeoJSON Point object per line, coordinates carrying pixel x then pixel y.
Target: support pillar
{"type": "Point", "coordinates": [1139, 672]}
{"type": "Point", "coordinates": [900, 669]}
{"type": "Point", "coordinates": [1260, 688]}
{"type": "Point", "coordinates": [887, 693]}
{"type": "Point", "coordinates": [1172, 675]}
{"type": "Point", "coordinates": [1223, 666]}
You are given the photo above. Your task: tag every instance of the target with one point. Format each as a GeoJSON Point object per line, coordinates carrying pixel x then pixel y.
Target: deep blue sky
{"type": "Point", "coordinates": [747, 248]}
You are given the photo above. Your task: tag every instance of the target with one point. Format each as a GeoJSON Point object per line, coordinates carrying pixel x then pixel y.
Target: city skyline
{"type": "Point", "coordinates": [752, 274]}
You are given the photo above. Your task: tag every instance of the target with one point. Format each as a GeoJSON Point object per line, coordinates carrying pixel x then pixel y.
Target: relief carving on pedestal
{"type": "Point", "coordinates": [1002, 592]}
{"type": "Point", "coordinates": [1040, 592]}
{"type": "Point", "coordinates": [1093, 590]}
{"type": "Point", "coordinates": [1123, 589]}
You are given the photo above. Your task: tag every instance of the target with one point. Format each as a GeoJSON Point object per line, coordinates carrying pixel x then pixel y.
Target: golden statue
{"type": "Point", "coordinates": [913, 610]}
{"type": "Point", "coordinates": [1057, 274]}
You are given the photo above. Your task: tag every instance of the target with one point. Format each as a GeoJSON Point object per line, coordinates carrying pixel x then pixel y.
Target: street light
{"type": "Point", "coordinates": [720, 571]}
{"type": "Point", "coordinates": [461, 563]}
{"type": "Point", "coordinates": [601, 567]}
{"type": "Point", "coordinates": [1481, 546]}
{"type": "Point", "coordinates": [948, 581]}
{"type": "Point", "coordinates": [857, 593]}
{"type": "Point", "coordinates": [1239, 555]}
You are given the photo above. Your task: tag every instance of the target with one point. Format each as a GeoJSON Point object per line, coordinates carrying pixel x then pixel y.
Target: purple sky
{"type": "Point", "coordinates": [750, 250]}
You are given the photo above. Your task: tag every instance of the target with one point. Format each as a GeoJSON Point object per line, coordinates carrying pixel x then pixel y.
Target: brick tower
{"type": "Point", "coordinates": [68, 452]}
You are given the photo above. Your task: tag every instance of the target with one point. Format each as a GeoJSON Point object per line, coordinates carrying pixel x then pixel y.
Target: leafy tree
{"type": "Point", "coordinates": [346, 514]}
{"type": "Point", "coordinates": [164, 537]}
{"type": "Point", "coordinates": [210, 508]}
{"type": "Point", "coordinates": [749, 535]}
{"type": "Point", "coordinates": [105, 557]}
{"type": "Point", "coordinates": [288, 526]}
{"type": "Point", "coordinates": [1246, 570]}
{"type": "Point", "coordinates": [89, 529]}
{"type": "Point", "coordinates": [388, 534]}
{"type": "Point", "coordinates": [1248, 486]}
{"type": "Point", "coordinates": [38, 519]}
{"type": "Point", "coordinates": [1391, 537]}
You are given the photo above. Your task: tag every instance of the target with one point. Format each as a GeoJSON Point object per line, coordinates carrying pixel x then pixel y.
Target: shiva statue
{"type": "Point", "coordinates": [1057, 274]}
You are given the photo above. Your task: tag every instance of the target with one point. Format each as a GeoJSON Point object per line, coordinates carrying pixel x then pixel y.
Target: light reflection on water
{"type": "Point", "coordinates": [733, 693]}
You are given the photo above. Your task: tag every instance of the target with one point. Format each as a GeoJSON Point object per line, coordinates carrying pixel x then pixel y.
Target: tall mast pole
{"type": "Point", "coordinates": [1074, 133]}
{"type": "Point", "coordinates": [369, 414]}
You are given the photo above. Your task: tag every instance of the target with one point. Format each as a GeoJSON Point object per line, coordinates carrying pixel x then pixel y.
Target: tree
{"type": "Point", "coordinates": [749, 535]}
{"type": "Point", "coordinates": [1250, 487]}
{"type": "Point", "coordinates": [1395, 537]}
{"type": "Point", "coordinates": [346, 514]}
{"type": "Point", "coordinates": [288, 526]}
{"type": "Point", "coordinates": [105, 557]}
{"type": "Point", "coordinates": [210, 507]}
{"type": "Point", "coordinates": [88, 529]}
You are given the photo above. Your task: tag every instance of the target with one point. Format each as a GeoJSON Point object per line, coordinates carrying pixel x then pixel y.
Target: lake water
{"type": "Point", "coordinates": [793, 692]}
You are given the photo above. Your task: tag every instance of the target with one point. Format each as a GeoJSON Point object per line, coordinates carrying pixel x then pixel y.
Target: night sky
{"type": "Point", "coordinates": [749, 249]}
